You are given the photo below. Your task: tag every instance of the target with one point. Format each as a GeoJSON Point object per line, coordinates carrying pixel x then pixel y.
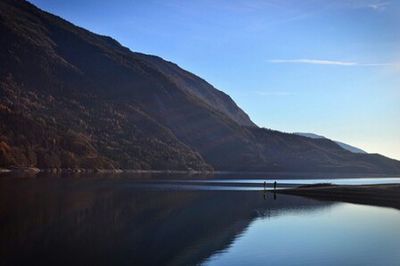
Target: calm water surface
{"type": "Point", "coordinates": [307, 181]}
{"type": "Point", "coordinates": [102, 220]}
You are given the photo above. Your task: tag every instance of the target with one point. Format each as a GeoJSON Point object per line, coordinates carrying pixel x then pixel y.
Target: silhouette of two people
{"type": "Point", "coordinates": [265, 189]}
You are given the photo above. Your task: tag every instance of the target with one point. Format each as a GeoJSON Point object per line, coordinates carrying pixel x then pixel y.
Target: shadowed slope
{"type": "Point", "coordinates": [70, 98]}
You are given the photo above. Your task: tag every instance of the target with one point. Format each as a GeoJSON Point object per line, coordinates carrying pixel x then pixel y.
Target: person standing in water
{"type": "Point", "coordinates": [275, 185]}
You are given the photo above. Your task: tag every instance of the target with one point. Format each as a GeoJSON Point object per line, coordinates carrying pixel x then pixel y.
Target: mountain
{"type": "Point", "coordinates": [341, 144]}
{"type": "Point", "coordinates": [70, 98]}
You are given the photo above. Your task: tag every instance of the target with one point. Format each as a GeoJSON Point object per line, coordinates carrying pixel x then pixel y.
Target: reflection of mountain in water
{"type": "Point", "coordinates": [108, 221]}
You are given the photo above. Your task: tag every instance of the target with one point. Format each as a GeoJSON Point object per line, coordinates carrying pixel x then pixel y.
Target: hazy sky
{"type": "Point", "coordinates": [327, 67]}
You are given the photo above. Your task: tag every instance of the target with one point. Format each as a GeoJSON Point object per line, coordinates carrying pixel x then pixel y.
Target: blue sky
{"type": "Point", "coordinates": [327, 67]}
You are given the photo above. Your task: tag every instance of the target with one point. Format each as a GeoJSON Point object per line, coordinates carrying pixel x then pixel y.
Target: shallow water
{"type": "Point", "coordinates": [125, 221]}
{"type": "Point", "coordinates": [308, 181]}
{"type": "Point", "coordinates": [255, 184]}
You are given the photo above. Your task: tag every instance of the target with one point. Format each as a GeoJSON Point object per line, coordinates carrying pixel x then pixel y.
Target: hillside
{"type": "Point", "coordinates": [70, 98]}
{"type": "Point", "coordinates": [341, 144]}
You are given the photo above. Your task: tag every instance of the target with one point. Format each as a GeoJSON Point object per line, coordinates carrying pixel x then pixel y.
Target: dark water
{"type": "Point", "coordinates": [101, 220]}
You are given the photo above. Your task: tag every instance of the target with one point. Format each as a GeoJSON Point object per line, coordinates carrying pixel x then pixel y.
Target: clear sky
{"type": "Point", "coordinates": [327, 67]}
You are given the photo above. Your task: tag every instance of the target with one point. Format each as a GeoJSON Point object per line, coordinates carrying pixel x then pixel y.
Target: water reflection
{"type": "Point", "coordinates": [344, 234]}
{"type": "Point", "coordinates": [103, 221]}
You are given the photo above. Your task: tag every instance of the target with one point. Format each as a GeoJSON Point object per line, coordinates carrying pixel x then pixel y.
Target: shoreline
{"type": "Point", "coordinates": [385, 195]}
{"type": "Point", "coordinates": [267, 175]}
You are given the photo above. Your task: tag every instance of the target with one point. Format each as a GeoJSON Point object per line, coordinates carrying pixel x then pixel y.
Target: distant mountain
{"type": "Point", "coordinates": [341, 144]}
{"type": "Point", "coordinates": [70, 98]}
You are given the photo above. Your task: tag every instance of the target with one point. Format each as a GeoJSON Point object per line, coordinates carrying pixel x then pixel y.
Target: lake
{"type": "Point", "coordinates": [123, 220]}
